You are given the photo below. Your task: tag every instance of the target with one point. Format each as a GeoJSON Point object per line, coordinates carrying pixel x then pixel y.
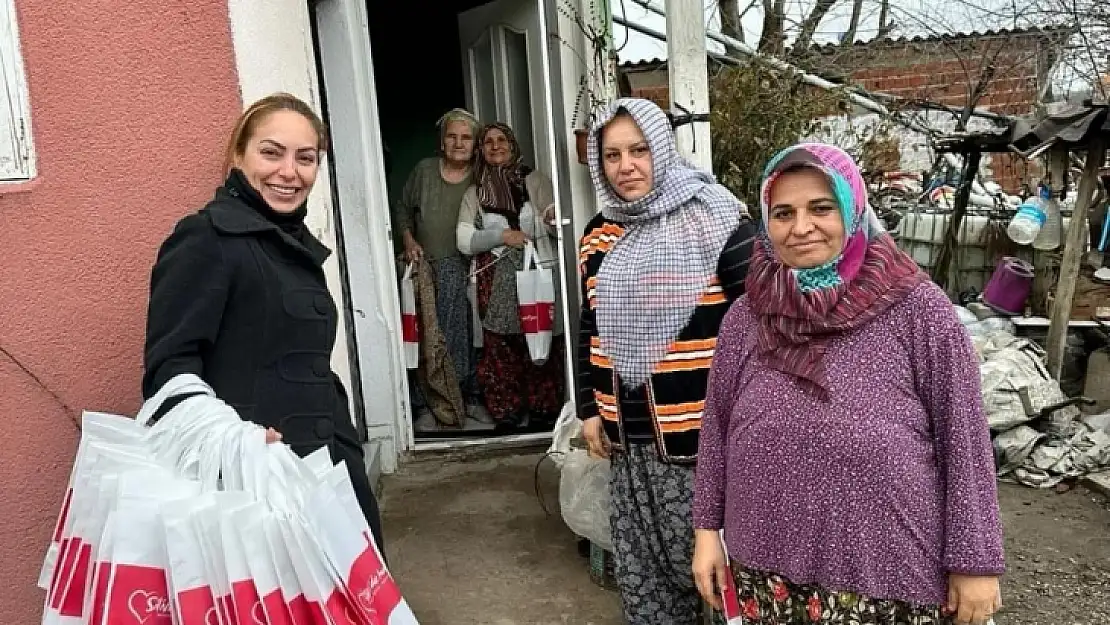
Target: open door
{"type": "Point", "coordinates": [508, 77]}
{"type": "Point", "coordinates": [346, 71]}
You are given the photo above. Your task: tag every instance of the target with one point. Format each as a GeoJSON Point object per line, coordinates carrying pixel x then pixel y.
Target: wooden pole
{"type": "Point", "coordinates": [942, 270]}
{"type": "Point", "coordinates": [688, 74]}
{"type": "Point", "coordinates": [1074, 244]}
{"type": "Point", "coordinates": [1045, 261]}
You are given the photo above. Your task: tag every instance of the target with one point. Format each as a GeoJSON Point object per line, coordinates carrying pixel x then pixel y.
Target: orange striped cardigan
{"type": "Point", "coordinates": [667, 411]}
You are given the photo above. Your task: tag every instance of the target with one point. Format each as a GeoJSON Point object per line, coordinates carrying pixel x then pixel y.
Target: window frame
{"type": "Point", "coordinates": [12, 70]}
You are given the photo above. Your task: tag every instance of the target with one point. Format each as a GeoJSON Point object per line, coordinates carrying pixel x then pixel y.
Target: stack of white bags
{"type": "Point", "coordinates": [197, 520]}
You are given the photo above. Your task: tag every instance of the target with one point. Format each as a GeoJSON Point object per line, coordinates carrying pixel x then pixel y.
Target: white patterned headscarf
{"type": "Point", "coordinates": [650, 283]}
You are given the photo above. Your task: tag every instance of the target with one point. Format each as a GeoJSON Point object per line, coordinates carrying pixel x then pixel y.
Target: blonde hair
{"type": "Point", "coordinates": [258, 112]}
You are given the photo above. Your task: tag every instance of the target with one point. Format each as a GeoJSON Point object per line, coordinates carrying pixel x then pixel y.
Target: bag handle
{"type": "Point", "coordinates": [529, 256]}
{"type": "Point", "coordinates": [177, 385]}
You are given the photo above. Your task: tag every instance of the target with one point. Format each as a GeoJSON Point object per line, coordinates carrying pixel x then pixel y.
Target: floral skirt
{"type": "Point", "coordinates": [768, 599]}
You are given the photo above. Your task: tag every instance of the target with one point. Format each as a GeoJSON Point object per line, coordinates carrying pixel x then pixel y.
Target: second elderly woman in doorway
{"type": "Point", "coordinates": [659, 267]}
{"type": "Point", "coordinates": [844, 450]}
{"type": "Point", "coordinates": [238, 296]}
{"type": "Point", "coordinates": [509, 205]}
{"type": "Point", "coordinates": [425, 217]}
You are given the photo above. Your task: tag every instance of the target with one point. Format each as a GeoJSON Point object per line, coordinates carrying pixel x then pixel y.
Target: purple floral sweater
{"type": "Point", "coordinates": [882, 490]}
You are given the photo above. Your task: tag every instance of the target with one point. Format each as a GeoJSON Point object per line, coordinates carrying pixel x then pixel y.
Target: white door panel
{"type": "Point", "coordinates": [503, 71]}
{"type": "Point", "coordinates": [508, 78]}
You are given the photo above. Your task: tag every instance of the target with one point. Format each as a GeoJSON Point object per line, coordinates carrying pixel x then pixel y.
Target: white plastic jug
{"type": "Point", "coordinates": [1030, 217]}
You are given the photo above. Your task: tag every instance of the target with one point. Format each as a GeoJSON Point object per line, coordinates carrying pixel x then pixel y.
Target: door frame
{"type": "Point", "coordinates": [347, 77]}
{"type": "Point", "coordinates": [348, 80]}
{"type": "Point", "coordinates": [553, 160]}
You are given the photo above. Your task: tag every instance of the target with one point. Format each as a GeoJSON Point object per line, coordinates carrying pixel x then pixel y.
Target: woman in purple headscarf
{"type": "Point", "coordinates": [844, 451]}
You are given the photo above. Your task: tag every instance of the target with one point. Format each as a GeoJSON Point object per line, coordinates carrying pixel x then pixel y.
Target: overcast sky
{"type": "Point", "coordinates": [913, 17]}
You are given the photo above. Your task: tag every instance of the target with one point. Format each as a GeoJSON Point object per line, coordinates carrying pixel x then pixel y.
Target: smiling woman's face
{"type": "Point", "coordinates": [803, 219]}
{"type": "Point", "coordinates": [281, 159]}
{"type": "Point", "coordinates": [496, 147]}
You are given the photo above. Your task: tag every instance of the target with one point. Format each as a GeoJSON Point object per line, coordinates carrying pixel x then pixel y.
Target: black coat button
{"type": "Point", "coordinates": [324, 428]}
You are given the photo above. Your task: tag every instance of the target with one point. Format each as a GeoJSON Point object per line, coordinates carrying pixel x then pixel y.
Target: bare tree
{"type": "Point", "coordinates": [853, 23]}
{"type": "Point", "coordinates": [729, 11]}
{"type": "Point", "coordinates": [809, 25]}
{"type": "Point", "coordinates": [884, 19]}
{"type": "Point", "coordinates": [772, 39]}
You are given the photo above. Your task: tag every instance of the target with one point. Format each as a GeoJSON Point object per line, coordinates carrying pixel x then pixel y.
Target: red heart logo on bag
{"type": "Point", "coordinates": [354, 618]}
{"type": "Point", "coordinates": [366, 602]}
{"type": "Point", "coordinates": [148, 607]}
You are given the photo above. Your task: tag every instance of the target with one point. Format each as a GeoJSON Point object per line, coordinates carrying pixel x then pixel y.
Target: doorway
{"type": "Point", "coordinates": [428, 56]}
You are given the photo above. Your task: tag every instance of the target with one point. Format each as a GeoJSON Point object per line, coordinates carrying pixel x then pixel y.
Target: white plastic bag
{"type": "Point", "coordinates": [410, 326]}
{"type": "Point", "coordinates": [197, 520]}
{"type": "Point", "coordinates": [367, 588]}
{"type": "Point", "coordinates": [300, 611]}
{"type": "Point", "coordinates": [94, 426]}
{"type": "Point", "coordinates": [535, 288]}
{"type": "Point", "coordinates": [83, 526]}
{"type": "Point", "coordinates": [533, 226]}
{"type": "Point", "coordinates": [566, 429]}
{"type": "Point", "coordinates": [271, 607]}
{"type": "Point", "coordinates": [584, 497]}
{"type": "Point", "coordinates": [138, 587]}
{"type": "Point", "coordinates": [246, 600]}
{"type": "Point", "coordinates": [193, 601]}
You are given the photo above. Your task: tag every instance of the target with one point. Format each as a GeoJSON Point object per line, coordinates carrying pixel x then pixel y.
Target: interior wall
{"type": "Point", "coordinates": [419, 78]}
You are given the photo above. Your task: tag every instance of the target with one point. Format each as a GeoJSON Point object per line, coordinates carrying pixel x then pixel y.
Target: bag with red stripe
{"type": "Point", "coordinates": [410, 329]}
{"type": "Point", "coordinates": [201, 519]}
{"type": "Point", "coordinates": [535, 290]}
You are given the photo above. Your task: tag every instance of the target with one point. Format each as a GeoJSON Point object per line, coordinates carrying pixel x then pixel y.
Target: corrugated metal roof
{"type": "Point", "coordinates": [1048, 32]}
{"type": "Point", "coordinates": [1002, 33]}
{"type": "Point", "coordinates": [644, 63]}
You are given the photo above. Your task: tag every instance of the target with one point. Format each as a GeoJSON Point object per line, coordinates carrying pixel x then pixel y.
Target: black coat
{"type": "Point", "coordinates": [244, 305]}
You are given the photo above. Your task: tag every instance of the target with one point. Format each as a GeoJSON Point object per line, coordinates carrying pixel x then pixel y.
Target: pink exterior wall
{"type": "Point", "coordinates": [131, 102]}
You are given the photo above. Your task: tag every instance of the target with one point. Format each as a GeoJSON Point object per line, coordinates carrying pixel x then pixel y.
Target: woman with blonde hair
{"type": "Point", "coordinates": [844, 449]}
{"type": "Point", "coordinates": [238, 295]}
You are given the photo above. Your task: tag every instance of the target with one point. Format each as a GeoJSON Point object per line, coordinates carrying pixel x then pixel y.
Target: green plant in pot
{"type": "Point", "coordinates": [598, 64]}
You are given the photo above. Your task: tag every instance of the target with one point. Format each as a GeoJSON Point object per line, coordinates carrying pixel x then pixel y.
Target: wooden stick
{"type": "Point", "coordinates": [1044, 261]}
{"type": "Point", "coordinates": [1074, 244]}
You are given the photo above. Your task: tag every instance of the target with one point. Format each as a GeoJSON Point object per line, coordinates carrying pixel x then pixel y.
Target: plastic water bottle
{"type": "Point", "coordinates": [1052, 232]}
{"type": "Point", "coordinates": [1030, 216]}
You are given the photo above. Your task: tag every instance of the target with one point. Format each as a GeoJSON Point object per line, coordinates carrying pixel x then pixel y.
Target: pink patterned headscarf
{"type": "Point", "coordinates": [800, 310]}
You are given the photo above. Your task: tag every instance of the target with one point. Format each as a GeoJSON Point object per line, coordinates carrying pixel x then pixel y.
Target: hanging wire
{"type": "Point", "coordinates": [536, 480]}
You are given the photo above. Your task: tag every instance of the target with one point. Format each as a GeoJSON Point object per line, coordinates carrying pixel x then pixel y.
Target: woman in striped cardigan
{"type": "Point", "coordinates": [659, 266]}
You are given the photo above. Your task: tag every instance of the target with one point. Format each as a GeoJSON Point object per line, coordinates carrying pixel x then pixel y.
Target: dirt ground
{"type": "Point", "coordinates": [1058, 556]}
{"type": "Point", "coordinates": [470, 544]}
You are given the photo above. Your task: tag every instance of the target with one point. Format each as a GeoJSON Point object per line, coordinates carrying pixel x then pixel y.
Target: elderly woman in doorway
{"type": "Point", "coordinates": [844, 450]}
{"type": "Point", "coordinates": [425, 217]}
{"type": "Point", "coordinates": [238, 296]}
{"type": "Point", "coordinates": [659, 267]}
{"type": "Point", "coordinates": [510, 205]}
